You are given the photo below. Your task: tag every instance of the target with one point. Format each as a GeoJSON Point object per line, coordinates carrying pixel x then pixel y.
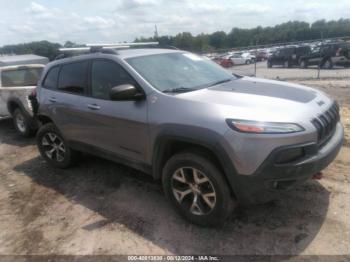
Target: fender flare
{"type": "Point", "coordinates": [18, 102]}
{"type": "Point", "coordinates": [198, 137]}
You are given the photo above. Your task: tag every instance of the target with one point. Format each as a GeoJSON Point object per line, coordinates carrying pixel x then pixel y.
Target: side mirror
{"type": "Point", "coordinates": [124, 93]}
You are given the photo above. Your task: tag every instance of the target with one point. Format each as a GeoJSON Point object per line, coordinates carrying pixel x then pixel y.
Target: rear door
{"type": "Point", "coordinates": [118, 127]}
{"type": "Point", "coordinates": [278, 57]}
{"type": "Point", "coordinates": [63, 93]}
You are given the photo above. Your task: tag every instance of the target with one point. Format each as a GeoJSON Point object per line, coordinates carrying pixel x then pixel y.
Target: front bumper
{"type": "Point", "coordinates": [271, 178]}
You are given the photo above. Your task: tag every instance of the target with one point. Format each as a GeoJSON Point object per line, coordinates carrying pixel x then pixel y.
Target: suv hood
{"type": "Point", "coordinates": [263, 100]}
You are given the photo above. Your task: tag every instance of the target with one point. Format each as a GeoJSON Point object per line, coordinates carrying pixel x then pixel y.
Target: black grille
{"type": "Point", "coordinates": [326, 122]}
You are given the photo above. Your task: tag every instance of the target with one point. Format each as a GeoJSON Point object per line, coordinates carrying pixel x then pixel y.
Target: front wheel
{"type": "Point", "coordinates": [53, 147]}
{"type": "Point", "coordinates": [197, 189]}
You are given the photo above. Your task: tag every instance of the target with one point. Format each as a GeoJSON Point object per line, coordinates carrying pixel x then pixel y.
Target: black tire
{"type": "Point", "coordinates": [328, 64]}
{"type": "Point", "coordinates": [189, 161]}
{"type": "Point", "coordinates": [303, 64]}
{"type": "Point", "coordinates": [248, 62]}
{"type": "Point", "coordinates": [48, 136]}
{"type": "Point", "coordinates": [286, 64]}
{"type": "Point", "coordinates": [22, 123]}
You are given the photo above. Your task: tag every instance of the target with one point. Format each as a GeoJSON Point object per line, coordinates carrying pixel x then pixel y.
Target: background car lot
{"type": "Point", "coordinates": [99, 207]}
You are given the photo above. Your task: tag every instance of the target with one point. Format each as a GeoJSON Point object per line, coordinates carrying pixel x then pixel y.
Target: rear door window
{"type": "Point", "coordinates": [73, 78]}
{"type": "Point", "coordinates": [20, 77]}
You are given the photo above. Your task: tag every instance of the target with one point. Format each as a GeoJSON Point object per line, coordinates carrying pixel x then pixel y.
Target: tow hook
{"type": "Point", "coordinates": [317, 176]}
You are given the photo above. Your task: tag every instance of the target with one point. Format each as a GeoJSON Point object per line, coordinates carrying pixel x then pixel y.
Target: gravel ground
{"type": "Point", "coordinates": [99, 207]}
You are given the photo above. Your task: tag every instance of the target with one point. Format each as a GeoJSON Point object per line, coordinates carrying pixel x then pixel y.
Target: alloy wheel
{"type": "Point", "coordinates": [327, 65]}
{"type": "Point", "coordinates": [193, 190]}
{"type": "Point", "coordinates": [20, 123]}
{"type": "Point", "coordinates": [53, 147]}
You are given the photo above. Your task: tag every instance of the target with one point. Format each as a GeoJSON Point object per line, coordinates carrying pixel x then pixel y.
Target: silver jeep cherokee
{"type": "Point", "coordinates": [213, 138]}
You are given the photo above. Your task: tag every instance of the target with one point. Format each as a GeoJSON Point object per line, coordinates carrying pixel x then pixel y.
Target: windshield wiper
{"type": "Point", "coordinates": [179, 90]}
{"type": "Point", "coordinates": [221, 82]}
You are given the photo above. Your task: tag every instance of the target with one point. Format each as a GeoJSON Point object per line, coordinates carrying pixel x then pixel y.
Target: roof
{"type": "Point", "coordinates": [22, 60]}
{"type": "Point", "coordinates": [128, 53]}
{"type": "Point", "coordinates": [122, 53]}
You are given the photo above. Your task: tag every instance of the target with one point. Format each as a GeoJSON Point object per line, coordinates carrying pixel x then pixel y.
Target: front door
{"type": "Point", "coordinates": [119, 127]}
{"type": "Point", "coordinates": [315, 56]}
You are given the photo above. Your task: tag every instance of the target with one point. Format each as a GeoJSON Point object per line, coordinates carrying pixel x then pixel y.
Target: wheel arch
{"type": "Point", "coordinates": [168, 145]}
{"type": "Point", "coordinates": [13, 103]}
{"type": "Point", "coordinates": [43, 119]}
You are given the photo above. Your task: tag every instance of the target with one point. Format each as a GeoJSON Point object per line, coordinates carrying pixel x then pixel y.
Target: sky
{"type": "Point", "coordinates": [111, 21]}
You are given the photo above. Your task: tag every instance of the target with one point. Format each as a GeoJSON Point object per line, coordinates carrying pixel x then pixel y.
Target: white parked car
{"type": "Point", "coordinates": [18, 78]}
{"type": "Point", "coordinates": [239, 59]}
{"type": "Point", "coordinates": [250, 56]}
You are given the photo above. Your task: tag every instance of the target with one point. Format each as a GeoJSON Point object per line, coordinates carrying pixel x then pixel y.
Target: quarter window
{"type": "Point", "coordinates": [50, 81]}
{"type": "Point", "coordinates": [73, 78]}
{"type": "Point", "coordinates": [105, 75]}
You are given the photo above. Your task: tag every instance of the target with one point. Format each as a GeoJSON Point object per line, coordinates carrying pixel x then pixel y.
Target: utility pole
{"type": "Point", "coordinates": [319, 63]}
{"type": "Point", "coordinates": [256, 55]}
{"type": "Point", "coordinates": [155, 32]}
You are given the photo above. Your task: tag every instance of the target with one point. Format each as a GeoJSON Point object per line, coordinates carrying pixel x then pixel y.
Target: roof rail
{"type": "Point", "coordinates": [92, 49]}
{"type": "Point", "coordinates": [72, 51]}
{"type": "Point", "coordinates": [118, 45]}
{"type": "Point", "coordinates": [104, 48]}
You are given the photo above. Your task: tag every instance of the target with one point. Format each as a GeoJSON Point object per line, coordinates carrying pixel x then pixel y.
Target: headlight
{"type": "Point", "coordinates": [247, 126]}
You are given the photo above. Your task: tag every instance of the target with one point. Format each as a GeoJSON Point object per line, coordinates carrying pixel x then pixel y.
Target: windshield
{"type": "Point", "coordinates": [179, 71]}
{"type": "Point", "coordinates": [20, 77]}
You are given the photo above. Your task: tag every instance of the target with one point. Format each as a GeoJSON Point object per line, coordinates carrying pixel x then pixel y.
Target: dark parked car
{"type": "Point", "coordinates": [288, 56]}
{"type": "Point", "coordinates": [327, 55]}
{"type": "Point", "coordinates": [261, 56]}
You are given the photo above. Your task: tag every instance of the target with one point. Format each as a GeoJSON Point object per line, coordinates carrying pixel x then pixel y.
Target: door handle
{"type": "Point", "coordinates": [94, 107]}
{"type": "Point", "coordinates": [53, 99]}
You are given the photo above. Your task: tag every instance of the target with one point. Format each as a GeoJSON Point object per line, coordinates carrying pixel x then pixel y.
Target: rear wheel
{"type": "Point", "coordinates": [53, 148]}
{"type": "Point", "coordinates": [197, 189]}
{"type": "Point", "coordinates": [22, 123]}
{"type": "Point", "coordinates": [303, 64]}
{"type": "Point", "coordinates": [286, 64]}
{"type": "Point", "coordinates": [328, 64]}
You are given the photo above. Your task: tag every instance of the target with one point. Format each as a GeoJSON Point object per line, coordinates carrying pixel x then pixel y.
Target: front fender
{"type": "Point", "coordinates": [196, 136]}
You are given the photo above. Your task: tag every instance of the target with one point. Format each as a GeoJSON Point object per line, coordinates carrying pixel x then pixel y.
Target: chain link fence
{"type": "Point", "coordinates": [253, 60]}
